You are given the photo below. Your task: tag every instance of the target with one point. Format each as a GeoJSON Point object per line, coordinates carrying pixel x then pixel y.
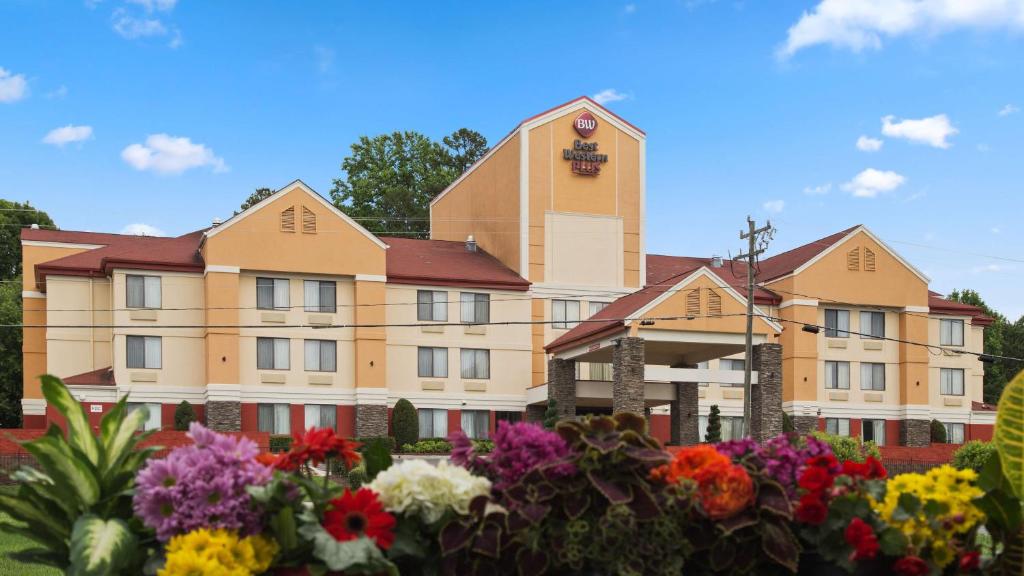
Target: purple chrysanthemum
{"type": "Point", "coordinates": [202, 485]}
{"type": "Point", "coordinates": [517, 449]}
{"type": "Point", "coordinates": [781, 458]}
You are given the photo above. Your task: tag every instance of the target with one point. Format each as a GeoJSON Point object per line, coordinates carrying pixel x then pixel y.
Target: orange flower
{"type": "Point", "coordinates": [688, 462]}
{"type": "Point", "coordinates": [724, 489]}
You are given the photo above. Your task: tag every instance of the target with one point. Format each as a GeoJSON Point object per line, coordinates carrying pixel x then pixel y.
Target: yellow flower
{"type": "Point", "coordinates": [218, 553]}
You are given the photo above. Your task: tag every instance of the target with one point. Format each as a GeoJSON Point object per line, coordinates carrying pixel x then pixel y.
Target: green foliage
{"type": "Point", "coordinates": [937, 431]}
{"type": "Point", "coordinates": [405, 424]}
{"type": "Point", "coordinates": [376, 457]}
{"type": "Point", "coordinates": [259, 195]}
{"type": "Point", "coordinates": [1002, 338]}
{"type": "Point", "coordinates": [13, 217]}
{"type": "Point", "coordinates": [428, 446]}
{"type": "Point", "coordinates": [551, 414]}
{"type": "Point", "coordinates": [1009, 434]}
{"type": "Point", "coordinates": [184, 415]}
{"type": "Point", "coordinates": [388, 441]}
{"type": "Point", "coordinates": [974, 455]}
{"type": "Point", "coordinates": [390, 179]}
{"type": "Point", "coordinates": [280, 443]}
{"type": "Point", "coordinates": [357, 477]}
{"type": "Point", "coordinates": [1003, 511]}
{"type": "Point", "coordinates": [714, 432]}
{"type": "Point", "coordinates": [10, 352]}
{"type": "Point", "coordinates": [77, 502]}
{"type": "Point", "coordinates": [787, 423]}
{"type": "Point", "coordinates": [849, 447]}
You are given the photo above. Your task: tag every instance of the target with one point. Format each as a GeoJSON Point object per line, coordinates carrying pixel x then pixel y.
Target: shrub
{"type": "Point", "coordinates": [551, 414]}
{"type": "Point", "coordinates": [483, 446]}
{"type": "Point", "coordinates": [404, 423]}
{"type": "Point", "coordinates": [714, 431]}
{"type": "Point", "coordinates": [428, 446]}
{"type": "Point", "coordinates": [938, 432]}
{"type": "Point", "coordinates": [787, 423]}
{"type": "Point", "coordinates": [848, 447]}
{"type": "Point", "coordinates": [280, 443]}
{"type": "Point", "coordinates": [364, 441]}
{"type": "Point", "coordinates": [184, 415]}
{"type": "Point", "coordinates": [974, 455]}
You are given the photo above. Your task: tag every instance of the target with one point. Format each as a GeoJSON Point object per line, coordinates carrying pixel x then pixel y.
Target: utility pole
{"type": "Point", "coordinates": [757, 241]}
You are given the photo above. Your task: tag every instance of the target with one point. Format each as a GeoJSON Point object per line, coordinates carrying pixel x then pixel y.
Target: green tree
{"type": "Point", "coordinates": [10, 354]}
{"type": "Point", "coordinates": [551, 414]}
{"type": "Point", "coordinates": [1002, 338]}
{"type": "Point", "coordinates": [405, 424]}
{"type": "Point", "coordinates": [13, 217]}
{"type": "Point", "coordinates": [259, 195]}
{"type": "Point", "coordinates": [184, 415]}
{"type": "Point", "coordinates": [938, 432]}
{"type": "Point", "coordinates": [390, 179]}
{"type": "Point", "coordinates": [714, 431]}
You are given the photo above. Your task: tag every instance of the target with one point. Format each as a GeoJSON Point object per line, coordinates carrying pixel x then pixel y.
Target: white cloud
{"type": "Point", "coordinates": [1008, 109]}
{"type": "Point", "coordinates": [67, 134]}
{"type": "Point", "coordinates": [860, 25]}
{"type": "Point", "coordinates": [987, 268]}
{"type": "Point", "coordinates": [58, 94]}
{"type": "Point", "coordinates": [609, 95]}
{"type": "Point", "coordinates": [176, 40]}
{"type": "Point", "coordinates": [130, 27]}
{"type": "Point", "coordinates": [932, 131]}
{"type": "Point", "coordinates": [140, 229]}
{"type": "Point", "coordinates": [13, 87]}
{"type": "Point", "coordinates": [774, 206]}
{"type": "Point", "coordinates": [819, 190]}
{"type": "Point", "coordinates": [996, 230]}
{"type": "Point", "coordinates": [871, 183]}
{"type": "Point", "coordinates": [868, 144]}
{"type": "Point", "coordinates": [171, 155]}
{"type": "Point", "coordinates": [324, 59]}
{"type": "Point", "coordinates": [151, 5]}
{"type": "Point", "coordinates": [629, 8]}
{"type": "Point", "coordinates": [983, 147]}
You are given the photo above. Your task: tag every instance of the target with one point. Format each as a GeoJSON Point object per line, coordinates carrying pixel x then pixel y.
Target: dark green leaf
{"type": "Point", "coordinates": [780, 545]}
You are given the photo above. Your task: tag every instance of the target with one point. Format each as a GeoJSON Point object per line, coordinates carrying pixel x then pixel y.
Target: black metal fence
{"type": "Point", "coordinates": [9, 463]}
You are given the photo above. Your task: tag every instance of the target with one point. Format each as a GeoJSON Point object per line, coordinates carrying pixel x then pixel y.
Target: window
{"type": "Point", "coordinates": [476, 308]}
{"type": "Point", "coordinates": [872, 324]}
{"type": "Point", "coordinates": [433, 422]}
{"type": "Point", "coordinates": [951, 381]}
{"type": "Point", "coordinates": [320, 296]}
{"type": "Point", "coordinates": [601, 371]}
{"type": "Point", "coordinates": [432, 305]}
{"type": "Point", "coordinates": [731, 364]}
{"type": "Point", "coordinates": [873, 430]}
{"type": "Point", "coordinates": [272, 353]}
{"type": "Point", "coordinates": [476, 423]}
{"type": "Point", "coordinates": [510, 417]}
{"type": "Point", "coordinates": [476, 364]}
{"type": "Point", "coordinates": [321, 416]}
{"type": "Point", "coordinates": [274, 418]}
{"type": "Point", "coordinates": [596, 307]}
{"type": "Point", "coordinates": [144, 352]}
{"type": "Point", "coordinates": [872, 376]}
{"type": "Point", "coordinates": [142, 291]}
{"type": "Point", "coordinates": [153, 421]}
{"type": "Point", "coordinates": [433, 362]}
{"type": "Point", "coordinates": [954, 432]}
{"type": "Point", "coordinates": [565, 314]}
{"type": "Point", "coordinates": [837, 323]}
{"type": "Point", "coordinates": [837, 375]}
{"type": "Point", "coordinates": [321, 356]}
{"type": "Point", "coordinates": [702, 428]}
{"type": "Point", "coordinates": [837, 426]}
{"type": "Point", "coordinates": [951, 332]}
{"type": "Point", "coordinates": [732, 427]}
{"type": "Point", "coordinates": [272, 293]}
{"type": "Point", "coordinates": [702, 366]}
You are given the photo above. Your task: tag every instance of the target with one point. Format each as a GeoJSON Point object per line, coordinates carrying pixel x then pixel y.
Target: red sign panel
{"type": "Point", "coordinates": [585, 124]}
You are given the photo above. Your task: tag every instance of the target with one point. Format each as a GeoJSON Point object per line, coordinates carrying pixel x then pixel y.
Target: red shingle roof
{"type": "Point", "coordinates": [447, 263]}
{"type": "Point", "coordinates": [661, 268]}
{"type": "Point", "coordinates": [939, 305]}
{"type": "Point", "coordinates": [71, 236]}
{"type": "Point", "coordinates": [788, 261]}
{"type": "Point", "coordinates": [101, 377]}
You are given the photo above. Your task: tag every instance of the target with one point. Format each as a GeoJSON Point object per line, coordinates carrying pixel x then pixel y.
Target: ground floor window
{"type": "Point", "coordinates": [433, 422]}
{"type": "Point", "coordinates": [873, 430]}
{"type": "Point", "coordinates": [837, 426]}
{"type": "Point", "coordinates": [732, 428]}
{"type": "Point", "coordinates": [510, 417]}
{"type": "Point", "coordinates": [954, 432]}
{"type": "Point", "coordinates": [476, 423]}
{"type": "Point", "coordinates": [274, 418]}
{"type": "Point", "coordinates": [702, 428]}
{"type": "Point", "coordinates": [153, 422]}
{"type": "Point", "coordinates": [321, 416]}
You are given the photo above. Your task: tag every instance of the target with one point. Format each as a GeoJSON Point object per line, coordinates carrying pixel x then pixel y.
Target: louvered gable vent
{"type": "Point", "coordinates": [693, 302]}
{"type": "Point", "coordinates": [288, 219]}
{"type": "Point", "coordinates": [869, 260]}
{"type": "Point", "coordinates": [714, 303]}
{"type": "Point", "coordinates": [308, 221]}
{"type": "Point", "coordinates": [853, 259]}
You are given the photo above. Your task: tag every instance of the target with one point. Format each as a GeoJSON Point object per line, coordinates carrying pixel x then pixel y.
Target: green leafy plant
{"type": "Point", "coordinates": [787, 423]}
{"type": "Point", "coordinates": [376, 458]}
{"type": "Point", "coordinates": [714, 432]}
{"type": "Point", "coordinates": [77, 504]}
{"type": "Point", "coordinates": [404, 423]}
{"type": "Point", "coordinates": [849, 447]}
{"type": "Point", "coordinates": [938, 432]}
{"type": "Point", "coordinates": [365, 441]}
{"type": "Point", "coordinates": [551, 414]}
{"type": "Point", "coordinates": [1002, 479]}
{"type": "Point", "coordinates": [1009, 433]}
{"type": "Point", "coordinates": [184, 414]}
{"type": "Point", "coordinates": [429, 446]}
{"type": "Point", "coordinates": [280, 443]}
{"type": "Point", "coordinates": [974, 455]}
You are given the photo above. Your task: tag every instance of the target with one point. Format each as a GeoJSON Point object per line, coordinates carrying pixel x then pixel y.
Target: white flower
{"type": "Point", "coordinates": [414, 487]}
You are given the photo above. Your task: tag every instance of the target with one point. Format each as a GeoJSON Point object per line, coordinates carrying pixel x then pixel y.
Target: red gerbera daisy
{"type": "Point", "coordinates": [317, 445]}
{"type": "Point", "coordinates": [360, 513]}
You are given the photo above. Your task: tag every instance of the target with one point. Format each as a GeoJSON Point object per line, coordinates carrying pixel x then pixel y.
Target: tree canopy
{"type": "Point", "coordinates": [13, 217]}
{"type": "Point", "coordinates": [390, 179]}
{"type": "Point", "coordinates": [1002, 338]}
{"type": "Point", "coordinates": [259, 195]}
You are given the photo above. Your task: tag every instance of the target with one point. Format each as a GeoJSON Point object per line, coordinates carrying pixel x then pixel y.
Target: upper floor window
{"type": "Point", "coordinates": [272, 293]}
{"type": "Point", "coordinates": [600, 371]}
{"type": "Point", "coordinates": [872, 376]}
{"type": "Point", "coordinates": [476, 364]}
{"type": "Point", "coordinates": [272, 353]}
{"type": "Point", "coordinates": [732, 364]}
{"type": "Point", "coordinates": [432, 362]}
{"type": "Point", "coordinates": [596, 307]}
{"type": "Point", "coordinates": [565, 314]}
{"type": "Point", "coordinates": [837, 323]}
{"type": "Point", "coordinates": [144, 352]}
{"type": "Point", "coordinates": [143, 291]}
{"type": "Point", "coordinates": [951, 332]}
{"type": "Point", "coordinates": [320, 295]}
{"type": "Point", "coordinates": [837, 426]}
{"type": "Point", "coordinates": [872, 324]}
{"type": "Point", "coordinates": [837, 375]}
{"type": "Point", "coordinates": [321, 355]}
{"type": "Point", "coordinates": [432, 305]}
{"type": "Point", "coordinates": [951, 381]}
{"type": "Point", "coordinates": [153, 409]}
{"type": "Point", "coordinates": [476, 307]}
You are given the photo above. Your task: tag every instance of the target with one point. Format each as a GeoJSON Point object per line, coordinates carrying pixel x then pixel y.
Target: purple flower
{"type": "Point", "coordinates": [518, 448]}
{"type": "Point", "coordinates": [202, 485]}
{"type": "Point", "coordinates": [780, 458]}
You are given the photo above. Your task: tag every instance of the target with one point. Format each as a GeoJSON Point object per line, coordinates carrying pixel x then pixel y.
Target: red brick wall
{"type": "Point", "coordinates": [661, 427]}
{"type": "Point", "coordinates": [454, 421]}
{"type": "Point", "coordinates": [168, 439]}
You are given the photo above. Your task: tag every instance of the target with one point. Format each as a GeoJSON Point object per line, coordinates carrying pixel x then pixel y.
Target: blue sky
{"type": "Point", "coordinates": [173, 111]}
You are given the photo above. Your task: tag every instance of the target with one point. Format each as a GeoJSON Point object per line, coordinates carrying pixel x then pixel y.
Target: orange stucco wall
{"type": "Point", "coordinates": [371, 348]}
{"type": "Point", "coordinates": [222, 354]}
{"type": "Point", "coordinates": [732, 318]}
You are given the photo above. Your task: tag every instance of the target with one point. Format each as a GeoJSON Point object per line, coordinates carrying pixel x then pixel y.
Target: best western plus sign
{"type": "Point", "coordinates": [585, 159]}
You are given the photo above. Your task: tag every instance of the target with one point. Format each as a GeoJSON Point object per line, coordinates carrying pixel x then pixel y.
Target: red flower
{"type": "Point", "coordinates": [970, 562]}
{"type": "Point", "coordinates": [875, 469]}
{"type": "Point", "coordinates": [724, 489]}
{"type": "Point", "coordinates": [811, 509]}
{"type": "Point", "coordinates": [815, 479]}
{"type": "Point", "coordinates": [355, 514]}
{"type": "Point", "coordinates": [860, 535]}
{"type": "Point", "coordinates": [827, 461]}
{"type": "Point", "coordinates": [315, 446]}
{"type": "Point", "coordinates": [910, 566]}
{"type": "Point", "coordinates": [855, 469]}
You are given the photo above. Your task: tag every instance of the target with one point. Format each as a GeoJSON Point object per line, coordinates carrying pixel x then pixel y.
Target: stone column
{"type": "Point", "coordinates": [915, 433]}
{"type": "Point", "coordinates": [371, 420]}
{"type": "Point", "coordinates": [224, 416]}
{"type": "Point", "coordinates": [685, 423]}
{"type": "Point", "coordinates": [628, 376]}
{"type": "Point", "coordinates": [805, 424]}
{"type": "Point", "coordinates": [766, 395]}
{"type": "Point", "coordinates": [562, 387]}
{"type": "Point", "coordinates": [535, 412]}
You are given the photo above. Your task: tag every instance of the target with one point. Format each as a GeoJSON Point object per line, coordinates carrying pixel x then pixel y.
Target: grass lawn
{"type": "Point", "coordinates": [10, 543]}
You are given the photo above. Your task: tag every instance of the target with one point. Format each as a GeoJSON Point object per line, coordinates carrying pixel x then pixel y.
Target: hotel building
{"type": "Point", "coordinates": [535, 283]}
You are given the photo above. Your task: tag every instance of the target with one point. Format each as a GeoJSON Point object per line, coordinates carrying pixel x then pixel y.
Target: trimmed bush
{"type": "Point", "coordinates": [280, 443]}
{"type": "Point", "coordinates": [483, 446]}
{"type": "Point", "coordinates": [551, 414]}
{"type": "Point", "coordinates": [405, 424]}
{"type": "Point", "coordinates": [429, 446]}
{"type": "Point", "coordinates": [787, 423]}
{"type": "Point", "coordinates": [938, 432]}
{"type": "Point", "coordinates": [848, 447]}
{"type": "Point", "coordinates": [366, 440]}
{"type": "Point", "coordinates": [974, 455]}
{"type": "Point", "coordinates": [184, 415]}
{"type": "Point", "coordinates": [714, 432]}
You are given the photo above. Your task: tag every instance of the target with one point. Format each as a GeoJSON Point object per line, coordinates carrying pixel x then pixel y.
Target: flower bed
{"type": "Point", "coordinates": [597, 496]}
